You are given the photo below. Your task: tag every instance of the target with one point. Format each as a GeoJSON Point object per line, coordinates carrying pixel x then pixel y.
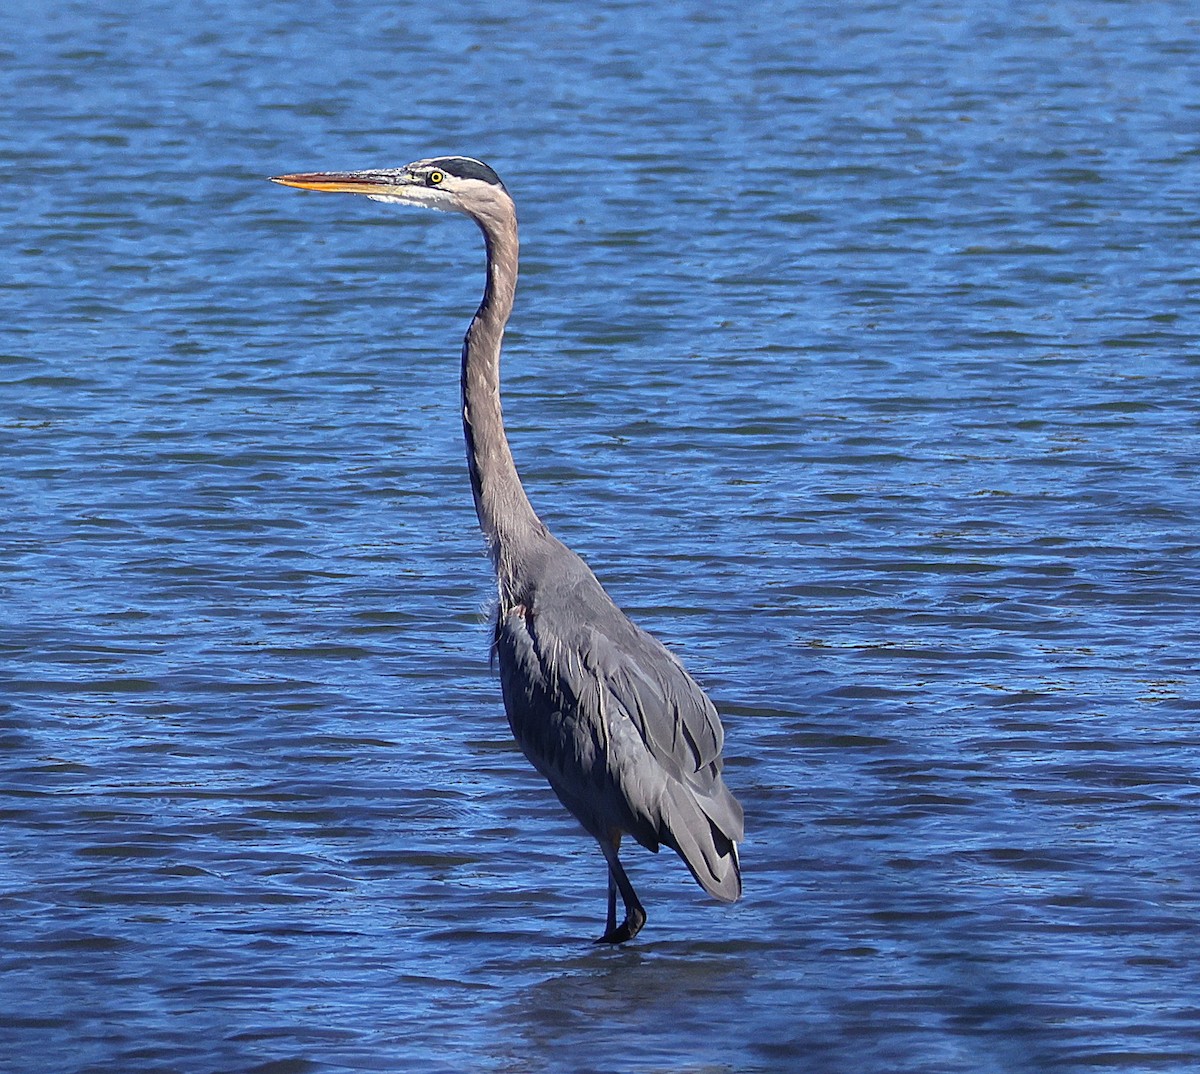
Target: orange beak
{"type": "Point", "coordinates": [344, 182]}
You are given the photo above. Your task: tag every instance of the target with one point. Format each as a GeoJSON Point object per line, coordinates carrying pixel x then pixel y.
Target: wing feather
{"type": "Point", "coordinates": [624, 734]}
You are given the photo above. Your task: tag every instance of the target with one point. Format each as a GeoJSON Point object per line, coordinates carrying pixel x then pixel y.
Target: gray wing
{"type": "Point", "coordinates": [625, 736]}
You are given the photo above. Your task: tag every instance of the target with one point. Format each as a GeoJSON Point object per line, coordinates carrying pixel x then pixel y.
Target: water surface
{"type": "Point", "coordinates": [856, 351]}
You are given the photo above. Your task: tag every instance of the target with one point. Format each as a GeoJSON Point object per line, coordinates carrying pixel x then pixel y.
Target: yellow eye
{"type": "Point", "coordinates": [435, 178]}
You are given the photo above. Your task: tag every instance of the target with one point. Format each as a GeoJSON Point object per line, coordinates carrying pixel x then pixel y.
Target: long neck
{"type": "Point", "coordinates": [505, 514]}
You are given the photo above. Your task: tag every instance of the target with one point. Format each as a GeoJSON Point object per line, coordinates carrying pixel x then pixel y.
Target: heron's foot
{"type": "Point", "coordinates": [627, 929]}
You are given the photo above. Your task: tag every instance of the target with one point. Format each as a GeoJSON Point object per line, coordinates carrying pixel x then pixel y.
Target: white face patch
{"type": "Point", "coordinates": [424, 196]}
{"type": "Point", "coordinates": [452, 194]}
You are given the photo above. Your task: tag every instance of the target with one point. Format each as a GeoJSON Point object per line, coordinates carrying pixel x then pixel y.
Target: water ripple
{"type": "Point", "coordinates": [854, 349]}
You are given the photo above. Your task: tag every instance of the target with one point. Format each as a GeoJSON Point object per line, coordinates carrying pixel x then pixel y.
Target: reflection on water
{"type": "Point", "coordinates": [653, 999]}
{"type": "Point", "coordinates": [855, 351]}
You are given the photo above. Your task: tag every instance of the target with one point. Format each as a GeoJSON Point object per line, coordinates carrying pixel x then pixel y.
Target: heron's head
{"type": "Point", "coordinates": [453, 184]}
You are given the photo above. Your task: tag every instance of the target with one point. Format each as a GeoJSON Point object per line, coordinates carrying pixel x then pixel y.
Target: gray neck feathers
{"type": "Point", "coordinates": [505, 515]}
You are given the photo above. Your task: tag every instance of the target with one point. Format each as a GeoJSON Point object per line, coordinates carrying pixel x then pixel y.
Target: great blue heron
{"type": "Point", "coordinates": [603, 710]}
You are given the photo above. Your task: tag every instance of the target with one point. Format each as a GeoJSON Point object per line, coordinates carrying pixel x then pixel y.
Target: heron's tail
{"type": "Point", "coordinates": [704, 833]}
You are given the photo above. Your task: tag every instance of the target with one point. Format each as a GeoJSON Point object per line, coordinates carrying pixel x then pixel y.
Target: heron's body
{"type": "Point", "coordinates": [627, 739]}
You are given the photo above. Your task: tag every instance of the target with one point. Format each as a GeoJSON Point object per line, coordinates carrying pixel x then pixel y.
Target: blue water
{"type": "Point", "coordinates": [856, 350]}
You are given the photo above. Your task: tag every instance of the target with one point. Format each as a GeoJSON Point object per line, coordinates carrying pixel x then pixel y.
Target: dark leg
{"type": "Point", "coordinates": [611, 926]}
{"type": "Point", "coordinates": [635, 915]}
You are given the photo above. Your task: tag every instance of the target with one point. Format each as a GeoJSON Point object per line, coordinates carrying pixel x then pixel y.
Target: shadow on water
{"type": "Point", "coordinates": [631, 1008]}
{"type": "Point", "coordinates": [667, 1007]}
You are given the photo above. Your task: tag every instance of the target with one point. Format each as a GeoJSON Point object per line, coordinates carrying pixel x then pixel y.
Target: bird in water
{"type": "Point", "coordinates": [624, 735]}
